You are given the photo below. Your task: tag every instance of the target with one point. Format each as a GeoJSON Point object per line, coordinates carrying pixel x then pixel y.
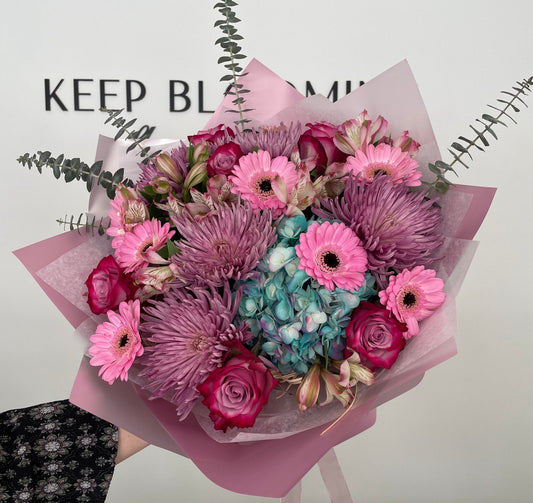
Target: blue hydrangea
{"type": "Point", "coordinates": [292, 316]}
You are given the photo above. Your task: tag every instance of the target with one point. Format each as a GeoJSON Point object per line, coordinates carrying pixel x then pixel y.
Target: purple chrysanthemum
{"type": "Point", "coordinates": [187, 332]}
{"type": "Point", "coordinates": [399, 229]}
{"type": "Point", "coordinates": [148, 173]}
{"type": "Point", "coordinates": [225, 244]}
{"type": "Point", "coordinates": [276, 140]}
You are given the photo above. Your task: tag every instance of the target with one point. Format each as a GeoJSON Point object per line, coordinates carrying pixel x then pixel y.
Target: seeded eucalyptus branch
{"type": "Point", "coordinates": [124, 129]}
{"type": "Point", "coordinates": [230, 46]}
{"type": "Point", "coordinates": [74, 169]}
{"type": "Point", "coordinates": [510, 101]}
{"type": "Point", "coordinates": [91, 224]}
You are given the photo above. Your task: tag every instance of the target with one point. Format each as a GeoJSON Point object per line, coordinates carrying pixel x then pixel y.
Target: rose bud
{"type": "Point", "coordinates": [223, 159]}
{"type": "Point", "coordinates": [212, 135]}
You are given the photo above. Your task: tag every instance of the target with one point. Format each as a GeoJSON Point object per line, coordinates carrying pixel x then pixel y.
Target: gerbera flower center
{"type": "Point", "coordinates": [145, 247]}
{"type": "Point", "coordinates": [408, 299]}
{"type": "Point", "coordinates": [329, 261]}
{"type": "Point", "coordinates": [263, 187]}
{"type": "Point", "coordinates": [376, 169]}
{"type": "Point", "coordinates": [122, 341]}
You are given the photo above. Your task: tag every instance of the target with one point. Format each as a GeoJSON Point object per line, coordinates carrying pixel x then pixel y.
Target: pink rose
{"type": "Point", "coordinates": [108, 286]}
{"type": "Point", "coordinates": [236, 392]}
{"type": "Point", "coordinates": [211, 135]}
{"type": "Point", "coordinates": [317, 148]}
{"type": "Point", "coordinates": [223, 159]}
{"type": "Point", "coordinates": [376, 335]}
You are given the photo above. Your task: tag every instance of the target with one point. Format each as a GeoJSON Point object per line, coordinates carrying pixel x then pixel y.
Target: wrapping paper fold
{"type": "Point", "coordinates": [237, 461]}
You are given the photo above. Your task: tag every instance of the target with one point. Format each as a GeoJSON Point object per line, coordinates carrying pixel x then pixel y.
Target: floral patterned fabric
{"type": "Point", "coordinates": [55, 452]}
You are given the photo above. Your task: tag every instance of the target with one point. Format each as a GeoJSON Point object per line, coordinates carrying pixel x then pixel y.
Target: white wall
{"type": "Point", "coordinates": [464, 434]}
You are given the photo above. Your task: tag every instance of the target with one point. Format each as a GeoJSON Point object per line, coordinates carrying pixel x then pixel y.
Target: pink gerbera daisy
{"type": "Point", "coordinates": [253, 177]}
{"type": "Point", "coordinates": [139, 247]}
{"type": "Point", "coordinates": [413, 296]}
{"type": "Point", "coordinates": [399, 166]}
{"type": "Point", "coordinates": [117, 343]}
{"type": "Point", "coordinates": [333, 255]}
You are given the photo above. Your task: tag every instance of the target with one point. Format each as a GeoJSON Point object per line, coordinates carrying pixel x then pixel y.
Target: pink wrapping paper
{"type": "Point", "coordinates": [251, 467]}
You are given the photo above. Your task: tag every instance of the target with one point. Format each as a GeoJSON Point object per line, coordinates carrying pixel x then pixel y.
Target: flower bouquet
{"type": "Point", "coordinates": [255, 292]}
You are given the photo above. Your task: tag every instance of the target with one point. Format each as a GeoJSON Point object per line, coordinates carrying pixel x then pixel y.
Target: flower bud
{"type": "Point", "coordinates": [307, 394]}
{"type": "Point", "coordinates": [335, 390]}
{"type": "Point", "coordinates": [198, 153]}
{"type": "Point", "coordinates": [407, 144]}
{"type": "Point", "coordinates": [166, 165]}
{"type": "Point", "coordinates": [196, 175]}
{"type": "Point", "coordinates": [161, 185]}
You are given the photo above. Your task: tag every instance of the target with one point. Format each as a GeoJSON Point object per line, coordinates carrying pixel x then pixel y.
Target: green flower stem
{"type": "Point", "coordinates": [227, 32]}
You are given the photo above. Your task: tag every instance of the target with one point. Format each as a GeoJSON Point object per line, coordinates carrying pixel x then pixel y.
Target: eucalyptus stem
{"type": "Point", "coordinates": [227, 31]}
{"type": "Point", "coordinates": [90, 224]}
{"type": "Point", "coordinates": [230, 61]}
{"type": "Point", "coordinates": [124, 128]}
{"type": "Point", "coordinates": [458, 149]}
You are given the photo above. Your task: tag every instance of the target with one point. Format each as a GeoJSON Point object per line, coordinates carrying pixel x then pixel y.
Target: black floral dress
{"type": "Point", "coordinates": [55, 452]}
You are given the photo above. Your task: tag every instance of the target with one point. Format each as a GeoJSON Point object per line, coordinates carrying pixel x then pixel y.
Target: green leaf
{"type": "Point", "coordinates": [503, 112]}
{"type": "Point", "coordinates": [442, 166]}
{"type": "Point", "coordinates": [441, 187]}
{"type": "Point", "coordinates": [471, 143]}
{"type": "Point", "coordinates": [133, 145]}
{"type": "Point", "coordinates": [223, 59]}
{"type": "Point", "coordinates": [434, 169]}
{"type": "Point", "coordinates": [488, 129]}
{"type": "Point", "coordinates": [458, 159]}
{"type": "Point", "coordinates": [118, 176]}
{"type": "Point", "coordinates": [460, 148]}
{"type": "Point", "coordinates": [480, 135]}
{"type": "Point", "coordinates": [69, 176]}
{"type": "Point", "coordinates": [110, 192]}
{"type": "Point", "coordinates": [172, 248]}
{"type": "Point", "coordinates": [491, 119]}
{"type": "Point", "coordinates": [226, 78]}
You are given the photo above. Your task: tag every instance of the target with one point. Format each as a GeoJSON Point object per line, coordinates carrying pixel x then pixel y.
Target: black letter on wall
{"type": "Point", "coordinates": [103, 94]}
{"type": "Point", "coordinates": [77, 95]}
{"type": "Point", "coordinates": [49, 96]}
{"type": "Point", "coordinates": [183, 95]}
{"type": "Point", "coordinates": [129, 99]}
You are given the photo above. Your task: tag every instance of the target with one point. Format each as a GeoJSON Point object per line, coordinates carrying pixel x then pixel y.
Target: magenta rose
{"type": "Point", "coordinates": [108, 286]}
{"type": "Point", "coordinates": [317, 148]}
{"type": "Point", "coordinates": [211, 135]}
{"type": "Point", "coordinates": [236, 392]}
{"type": "Point", "coordinates": [376, 335]}
{"type": "Point", "coordinates": [223, 159]}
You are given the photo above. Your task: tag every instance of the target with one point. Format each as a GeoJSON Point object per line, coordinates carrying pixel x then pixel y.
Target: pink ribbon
{"type": "Point", "coordinates": [333, 478]}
